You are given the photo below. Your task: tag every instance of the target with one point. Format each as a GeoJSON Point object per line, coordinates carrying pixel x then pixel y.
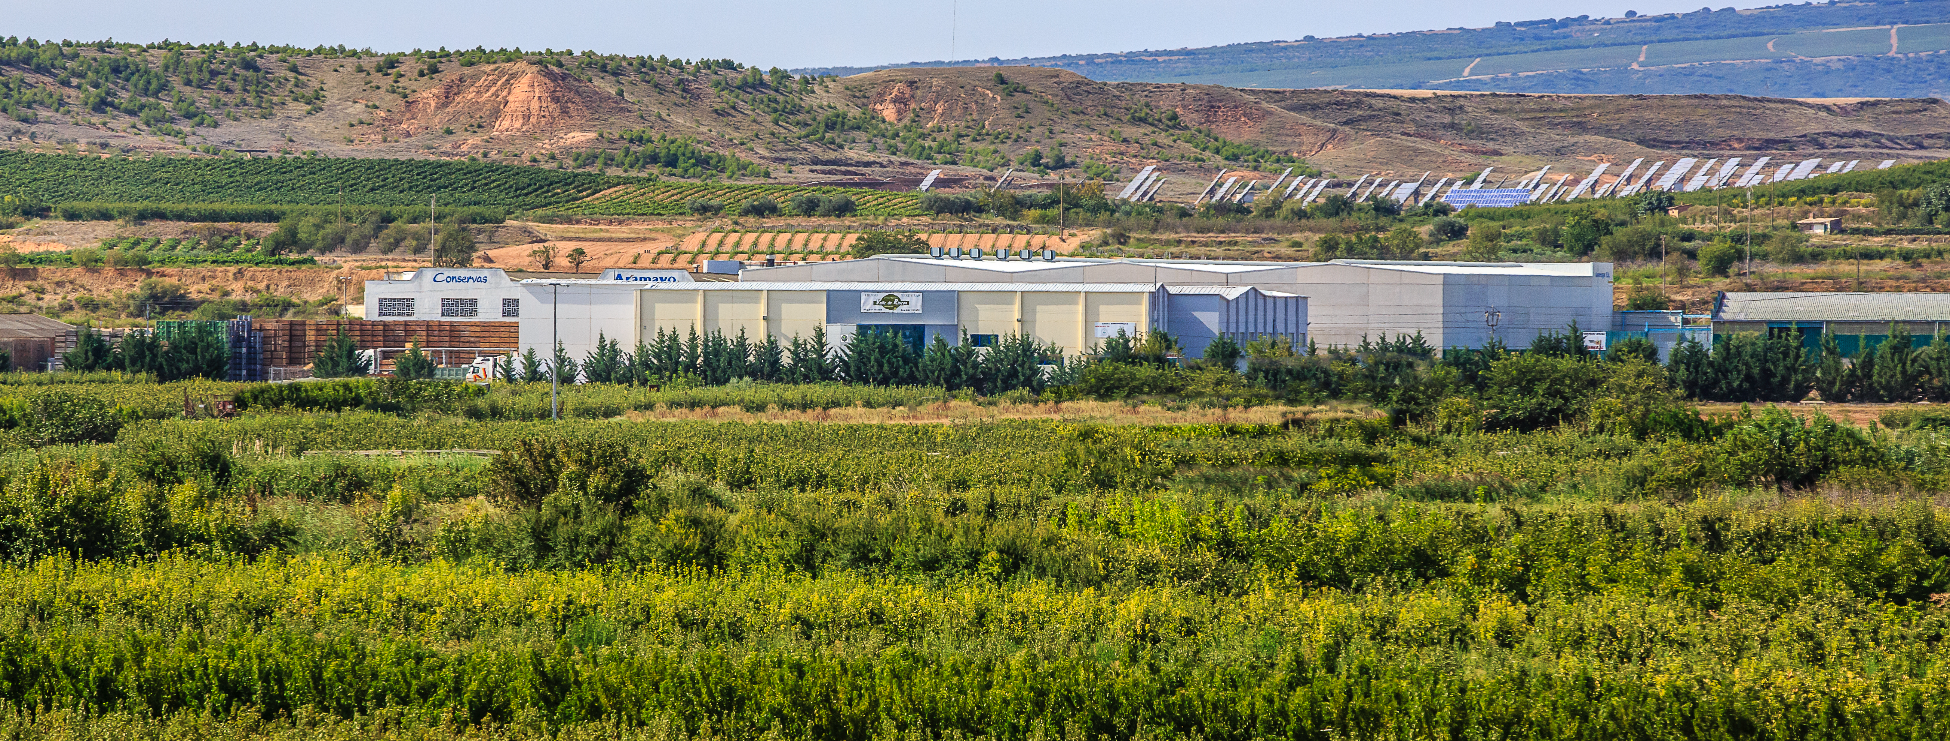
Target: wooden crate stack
{"type": "Point", "coordinates": [295, 342]}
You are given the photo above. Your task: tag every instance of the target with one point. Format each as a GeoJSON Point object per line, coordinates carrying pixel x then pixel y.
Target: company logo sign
{"type": "Point", "coordinates": [890, 303]}
{"type": "Point", "coordinates": [458, 278]}
{"type": "Point", "coordinates": [647, 276]}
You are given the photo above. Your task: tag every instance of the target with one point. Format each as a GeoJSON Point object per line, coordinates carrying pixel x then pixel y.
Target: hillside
{"type": "Point", "coordinates": [591, 115]}
{"type": "Point", "coordinates": [1827, 50]}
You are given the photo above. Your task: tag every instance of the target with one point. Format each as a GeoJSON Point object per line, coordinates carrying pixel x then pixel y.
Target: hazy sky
{"type": "Point", "coordinates": [775, 33]}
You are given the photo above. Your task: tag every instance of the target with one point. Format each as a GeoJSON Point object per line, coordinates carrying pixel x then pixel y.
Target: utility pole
{"type": "Point", "coordinates": [1750, 231]}
{"type": "Point", "coordinates": [554, 368]}
{"type": "Point", "coordinates": [1662, 264]}
{"type": "Point", "coordinates": [1060, 197]}
{"type": "Point", "coordinates": [433, 223]}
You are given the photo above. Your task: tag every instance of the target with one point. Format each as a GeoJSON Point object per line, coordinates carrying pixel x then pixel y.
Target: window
{"type": "Point", "coordinates": [510, 307]}
{"type": "Point", "coordinates": [396, 307]}
{"type": "Point", "coordinates": [982, 340]}
{"type": "Point", "coordinates": [460, 307]}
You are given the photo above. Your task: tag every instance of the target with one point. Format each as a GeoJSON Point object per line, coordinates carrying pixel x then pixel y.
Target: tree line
{"type": "Point", "coordinates": [193, 354]}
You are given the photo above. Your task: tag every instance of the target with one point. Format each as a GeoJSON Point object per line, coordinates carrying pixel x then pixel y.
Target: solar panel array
{"type": "Point", "coordinates": [1487, 197]}
{"type": "Point", "coordinates": [1631, 181]}
{"type": "Point", "coordinates": [1137, 182]}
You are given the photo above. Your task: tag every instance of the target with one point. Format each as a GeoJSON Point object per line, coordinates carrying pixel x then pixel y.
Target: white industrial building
{"type": "Point", "coordinates": [1453, 304]}
{"type": "Point", "coordinates": [1070, 303]}
{"type": "Point", "coordinates": [1071, 316]}
{"type": "Point", "coordinates": [474, 294]}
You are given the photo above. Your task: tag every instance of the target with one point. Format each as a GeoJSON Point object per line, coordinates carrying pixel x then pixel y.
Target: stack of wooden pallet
{"type": "Point", "coordinates": [295, 342]}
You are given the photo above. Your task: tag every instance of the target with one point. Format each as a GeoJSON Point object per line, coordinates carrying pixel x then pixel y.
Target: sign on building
{"type": "Point", "coordinates": [890, 303]}
{"type": "Point", "coordinates": [1106, 330]}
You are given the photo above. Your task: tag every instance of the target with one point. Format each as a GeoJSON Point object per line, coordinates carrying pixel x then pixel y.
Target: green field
{"type": "Point", "coordinates": [311, 181]}
{"type": "Point", "coordinates": [1913, 39]}
{"type": "Point", "coordinates": [1336, 576]}
{"type": "Point", "coordinates": [1869, 41]}
{"type": "Point", "coordinates": [1605, 56]}
{"type": "Point", "coordinates": [673, 199]}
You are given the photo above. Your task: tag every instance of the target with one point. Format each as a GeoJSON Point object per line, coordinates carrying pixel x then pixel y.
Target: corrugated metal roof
{"type": "Point", "coordinates": [1832, 306]}
{"type": "Point", "coordinates": [32, 325]}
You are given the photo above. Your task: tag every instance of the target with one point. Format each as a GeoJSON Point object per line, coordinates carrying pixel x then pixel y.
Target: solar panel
{"type": "Point", "coordinates": [1613, 186]}
{"type": "Point", "coordinates": [1753, 173]}
{"type": "Point", "coordinates": [928, 181]}
{"type": "Point", "coordinates": [1142, 175]}
{"type": "Point", "coordinates": [1318, 187]}
{"type": "Point", "coordinates": [1488, 197]}
{"type": "Point", "coordinates": [1297, 184]}
{"type": "Point", "coordinates": [1244, 193]}
{"type": "Point", "coordinates": [1370, 191]}
{"type": "Point", "coordinates": [1151, 191]}
{"type": "Point", "coordinates": [1781, 174]}
{"type": "Point", "coordinates": [1835, 167]}
{"type": "Point", "coordinates": [1585, 184]}
{"type": "Point", "coordinates": [1357, 185]}
{"type": "Point", "coordinates": [1432, 192]}
{"type": "Point", "coordinates": [1208, 188]}
{"type": "Point", "coordinates": [1479, 178]}
{"type": "Point", "coordinates": [1672, 176]}
{"type": "Point", "coordinates": [1221, 195]}
{"type": "Point", "coordinates": [1726, 171]}
{"type": "Point", "coordinates": [1282, 179]}
{"type": "Point", "coordinates": [1851, 165]}
{"type": "Point", "coordinates": [1804, 169]}
{"type": "Point", "coordinates": [1886, 164]}
{"type": "Point", "coordinates": [1698, 180]}
{"type": "Point", "coordinates": [1650, 173]}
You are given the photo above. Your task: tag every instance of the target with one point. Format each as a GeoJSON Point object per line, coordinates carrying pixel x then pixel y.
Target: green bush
{"type": "Point", "coordinates": [1717, 258]}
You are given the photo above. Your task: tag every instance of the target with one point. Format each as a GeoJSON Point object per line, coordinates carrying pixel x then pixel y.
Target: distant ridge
{"type": "Point", "coordinates": [1882, 50]}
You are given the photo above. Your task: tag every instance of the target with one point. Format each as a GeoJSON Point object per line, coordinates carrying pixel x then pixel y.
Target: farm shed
{"type": "Point", "coordinates": [1453, 304]}
{"type": "Point", "coordinates": [33, 340]}
{"type": "Point", "coordinates": [1858, 321]}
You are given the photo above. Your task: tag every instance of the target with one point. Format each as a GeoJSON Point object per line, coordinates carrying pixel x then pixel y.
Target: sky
{"type": "Point", "coordinates": [780, 33]}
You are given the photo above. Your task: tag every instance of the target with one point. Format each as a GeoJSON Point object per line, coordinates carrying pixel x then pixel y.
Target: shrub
{"type": "Point", "coordinates": [1717, 258]}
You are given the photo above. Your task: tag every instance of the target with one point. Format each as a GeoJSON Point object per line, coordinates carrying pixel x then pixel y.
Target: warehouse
{"type": "Point", "coordinates": [473, 294]}
{"type": "Point", "coordinates": [1857, 320]}
{"type": "Point", "coordinates": [1452, 304]}
{"type": "Point", "coordinates": [1071, 316]}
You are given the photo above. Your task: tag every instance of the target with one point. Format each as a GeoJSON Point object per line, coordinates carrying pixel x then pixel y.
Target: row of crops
{"type": "Point", "coordinates": [56, 179]}
{"type": "Point", "coordinates": [135, 252]}
{"type": "Point", "coordinates": [154, 245]}
{"type": "Point", "coordinates": [674, 199]}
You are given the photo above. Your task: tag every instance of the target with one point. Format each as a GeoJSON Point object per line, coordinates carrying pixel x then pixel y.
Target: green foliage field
{"type": "Point", "coordinates": [57, 179]}
{"type": "Point", "coordinates": [673, 199]}
{"type": "Point", "coordinates": [1332, 577]}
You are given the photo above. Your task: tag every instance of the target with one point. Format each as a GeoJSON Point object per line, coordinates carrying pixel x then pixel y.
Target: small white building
{"type": "Point", "coordinates": [452, 294]}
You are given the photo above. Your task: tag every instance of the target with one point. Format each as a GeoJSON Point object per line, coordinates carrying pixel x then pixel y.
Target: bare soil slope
{"type": "Point", "coordinates": [908, 121]}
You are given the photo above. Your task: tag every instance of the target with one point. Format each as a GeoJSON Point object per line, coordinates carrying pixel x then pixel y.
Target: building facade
{"type": "Point", "coordinates": [1451, 304]}
{"type": "Point", "coordinates": [1858, 321]}
{"type": "Point", "coordinates": [1073, 317]}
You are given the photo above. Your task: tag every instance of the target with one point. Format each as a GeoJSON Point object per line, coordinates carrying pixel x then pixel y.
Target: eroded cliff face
{"type": "Point", "coordinates": [507, 99]}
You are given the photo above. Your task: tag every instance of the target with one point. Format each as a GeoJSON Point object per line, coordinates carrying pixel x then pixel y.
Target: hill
{"type": "Point", "coordinates": [595, 117]}
{"type": "Point", "coordinates": [1828, 50]}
